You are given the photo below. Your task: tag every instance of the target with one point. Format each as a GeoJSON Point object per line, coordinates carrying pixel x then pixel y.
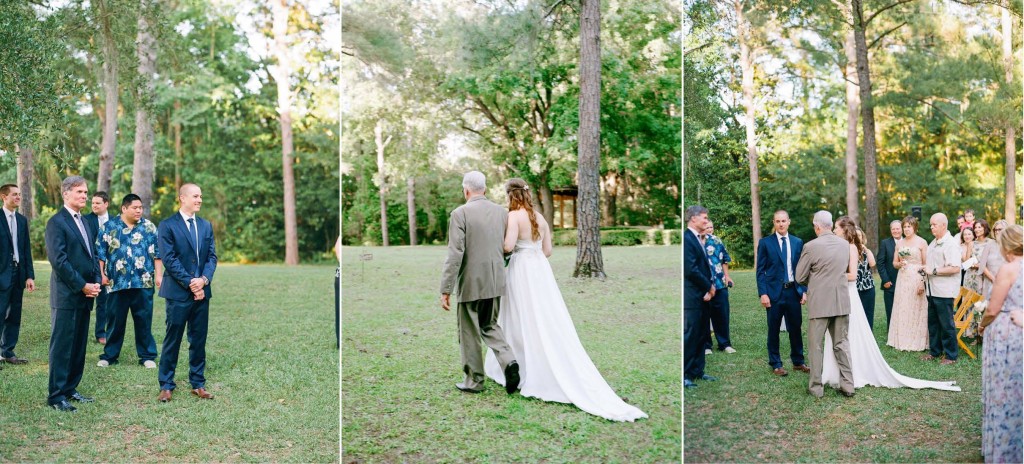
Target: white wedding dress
{"type": "Point", "coordinates": [553, 366]}
{"type": "Point", "coordinates": [867, 363]}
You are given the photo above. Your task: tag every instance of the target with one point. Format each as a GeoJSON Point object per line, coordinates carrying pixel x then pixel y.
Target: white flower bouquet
{"type": "Point", "coordinates": [904, 252]}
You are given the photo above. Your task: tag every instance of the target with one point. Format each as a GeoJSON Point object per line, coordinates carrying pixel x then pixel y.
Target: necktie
{"type": "Point", "coordinates": [81, 230]}
{"type": "Point", "coordinates": [11, 221]}
{"type": "Point", "coordinates": [785, 252]}
{"type": "Point", "coordinates": [195, 235]}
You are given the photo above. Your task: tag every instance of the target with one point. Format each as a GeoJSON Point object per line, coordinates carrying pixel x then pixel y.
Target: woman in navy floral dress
{"type": "Point", "coordinates": [1001, 374]}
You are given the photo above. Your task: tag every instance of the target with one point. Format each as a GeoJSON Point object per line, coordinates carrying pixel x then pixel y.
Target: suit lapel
{"type": "Point", "coordinates": [184, 228]}
{"type": "Point", "coordinates": [70, 220]}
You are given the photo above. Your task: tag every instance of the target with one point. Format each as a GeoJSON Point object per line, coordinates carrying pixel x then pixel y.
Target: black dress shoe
{"type": "Point", "coordinates": [64, 406]}
{"type": "Point", "coordinates": [81, 399]}
{"type": "Point", "coordinates": [511, 377]}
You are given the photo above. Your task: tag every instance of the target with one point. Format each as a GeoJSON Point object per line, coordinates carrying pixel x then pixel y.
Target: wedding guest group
{"type": "Point", "coordinates": [126, 255]}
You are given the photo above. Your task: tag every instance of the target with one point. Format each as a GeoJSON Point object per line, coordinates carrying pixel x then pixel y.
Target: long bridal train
{"type": "Point", "coordinates": [868, 365]}
{"type": "Point", "coordinates": [554, 366]}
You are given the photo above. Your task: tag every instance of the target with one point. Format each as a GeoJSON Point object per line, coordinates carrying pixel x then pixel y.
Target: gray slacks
{"type": "Point", "coordinates": [837, 326]}
{"type": "Point", "coordinates": [478, 320]}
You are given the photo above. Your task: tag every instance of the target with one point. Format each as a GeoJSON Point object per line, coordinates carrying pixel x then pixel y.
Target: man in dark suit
{"type": "Point", "coordinates": [16, 272]}
{"type": "Point", "coordinates": [698, 289]}
{"type": "Point", "coordinates": [95, 220]}
{"type": "Point", "coordinates": [777, 258]}
{"type": "Point", "coordinates": [886, 272]}
{"type": "Point", "coordinates": [189, 257]}
{"type": "Point", "coordinates": [74, 282]}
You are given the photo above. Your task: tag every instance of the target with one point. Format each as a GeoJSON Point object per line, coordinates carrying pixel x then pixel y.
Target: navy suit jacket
{"type": "Point", "coordinates": [883, 260]}
{"type": "Point", "coordinates": [178, 253]}
{"type": "Point", "coordinates": [771, 265]}
{"type": "Point", "coordinates": [696, 272]}
{"type": "Point", "coordinates": [25, 269]}
{"type": "Point", "coordinates": [72, 264]}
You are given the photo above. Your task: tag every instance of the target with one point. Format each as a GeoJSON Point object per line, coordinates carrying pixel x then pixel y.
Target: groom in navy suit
{"type": "Point", "coordinates": [189, 258]}
{"type": "Point", "coordinates": [781, 296]}
{"type": "Point", "coordinates": [74, 283]}
{"type": "Point", "coordinates": [698, 289]}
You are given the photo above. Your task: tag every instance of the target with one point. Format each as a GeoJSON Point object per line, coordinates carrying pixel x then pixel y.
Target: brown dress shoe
{"type": "Point", "coordinates": [15, 360]}
{"type": "Point", "coordinates": [165, 396]}
{"type": "Point", "coordinates": [780, 372]}
{"type": "Point", "coordinates": [802, 368]}
{"type": "Point", "coordinates": [202, 393]}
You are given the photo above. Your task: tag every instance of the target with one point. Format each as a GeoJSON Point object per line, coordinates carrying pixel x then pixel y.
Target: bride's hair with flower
{"type": "Point", "coordinates": [519, 198]}
{"type": "Point", "coordinates": [850, 231]}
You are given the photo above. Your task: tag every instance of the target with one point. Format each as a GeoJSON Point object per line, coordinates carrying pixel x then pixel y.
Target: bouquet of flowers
{"type": "Point", "coordinates": [904, 252]}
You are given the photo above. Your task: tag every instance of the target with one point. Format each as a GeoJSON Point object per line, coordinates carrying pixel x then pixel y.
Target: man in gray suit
{"type": "Point", "coordinates": [822, 268]}
{"type": "Point", "coordinates": [475, 270]}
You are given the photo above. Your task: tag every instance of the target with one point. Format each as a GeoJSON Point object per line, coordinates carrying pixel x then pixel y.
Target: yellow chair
{"type": "Point", "coordinates": [964, 302]}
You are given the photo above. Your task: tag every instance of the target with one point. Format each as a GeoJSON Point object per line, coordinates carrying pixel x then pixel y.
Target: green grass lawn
{"type": "Point", "coordinates": [751, 415]}
{"type": "Point", "coordinates": [400, 362]}
{"type": "Point", "coordinates": [271, 362]}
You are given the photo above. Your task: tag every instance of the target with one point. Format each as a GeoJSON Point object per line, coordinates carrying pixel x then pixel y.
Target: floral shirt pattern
{"type": "Point", "coordinates": [717, 256]}
{"type": "Point", "coordinates": [129, 254]}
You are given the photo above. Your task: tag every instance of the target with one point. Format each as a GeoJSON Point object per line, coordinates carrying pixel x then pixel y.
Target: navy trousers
{"type": "Point", "coordinates": [69, 332]}
{"type": "Point", "coordinates": [193, 316]}
{"type": "Point", "coordinates": [941, 331]}
{"type": "Point", "coordinates": [788, 308]}
{"type": "Point", "coordinates": [104, 318]}
{"type": "Point", "coordinates": [719, 306]}
{"type": "Point", "coordinates": [10, 315]}
{"type": "Point", "coordinates": [140, 302]}
{"type": "Point", "coordinates": [695, 324]}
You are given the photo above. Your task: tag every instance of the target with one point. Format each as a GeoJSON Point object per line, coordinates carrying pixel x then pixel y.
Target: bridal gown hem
{"type": "Point", "coordinates": [553, 365]}
{"type": "Point", "coordinates": [866, 361]}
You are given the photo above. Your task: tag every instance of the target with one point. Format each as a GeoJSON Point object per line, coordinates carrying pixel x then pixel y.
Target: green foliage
{"type": "Point", "coordinates": [37, 233]}
{"type": "Point", "coordinates": [225, 102]}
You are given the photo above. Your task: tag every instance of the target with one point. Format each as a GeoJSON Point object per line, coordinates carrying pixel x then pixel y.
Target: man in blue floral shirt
{"type": "Point", "coordinates": [130, 265]}
{"type": "Point", "coordinates": [719, 259]}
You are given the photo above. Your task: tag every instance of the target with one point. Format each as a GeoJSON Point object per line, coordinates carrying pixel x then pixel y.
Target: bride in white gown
{"type": "Point", "coordinates": [537, 326]}
{"type": "Point", "coordinates": [867, 363]}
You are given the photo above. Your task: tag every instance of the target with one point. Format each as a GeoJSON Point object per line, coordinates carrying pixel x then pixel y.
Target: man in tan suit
{"type": "Point", "coordinates": [822, 268]}
{"type": "Point", "coordinates": [475, 269]}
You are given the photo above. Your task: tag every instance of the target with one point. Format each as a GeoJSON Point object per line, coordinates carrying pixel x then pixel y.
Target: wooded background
{"type": "Point", "coordinates": [433, 89]}
{"type": "Point", "coordinates": [859, 107]}
{"type": "Point", "coordinates": [141, 96]}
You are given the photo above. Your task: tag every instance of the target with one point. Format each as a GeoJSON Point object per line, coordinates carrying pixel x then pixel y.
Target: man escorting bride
{"type": "Point", "coordinates": [857, 353]}
{"type": "Point", "coordinates": [533, 318]}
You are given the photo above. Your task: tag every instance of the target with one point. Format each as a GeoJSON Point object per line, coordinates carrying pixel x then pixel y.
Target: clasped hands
{"type": "Point", "coordinates": [91, 290]}
{"type": "Point", "coordinates": [197, 286]}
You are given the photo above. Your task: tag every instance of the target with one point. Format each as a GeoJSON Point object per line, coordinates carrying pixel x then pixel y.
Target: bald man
{"type": "Point", "coordinates": [942, 273]}
{"type": "Point", "coordinates": [189, 258]}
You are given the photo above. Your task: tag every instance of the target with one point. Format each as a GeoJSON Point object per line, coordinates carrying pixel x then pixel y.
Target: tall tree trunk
{"type": "Point", "coordinates": [26, 168]}
{"type": "Point", "coordinates": [747, 65]}
{"type": "Point", "coordinates": [144, 167]}
{"type": "Point", "coordinates": [177, 147]}
{"type": "Point", "coordinates": [284, 108]}
{"type": "Point", "coordinates": [589, 262]}
{"type": "Point", "coordinates": [867, 109]}
{"type": "Point", "coordinates": [106, 168]}
{"type": "Point", "coordinates": [410, 188]}
{"type": "Point", "coordinates": [382, 143]}
{"type": "Point", "coordinates": [1010, 210]}
{"type": "Point", "coordinates": [852, 108]}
